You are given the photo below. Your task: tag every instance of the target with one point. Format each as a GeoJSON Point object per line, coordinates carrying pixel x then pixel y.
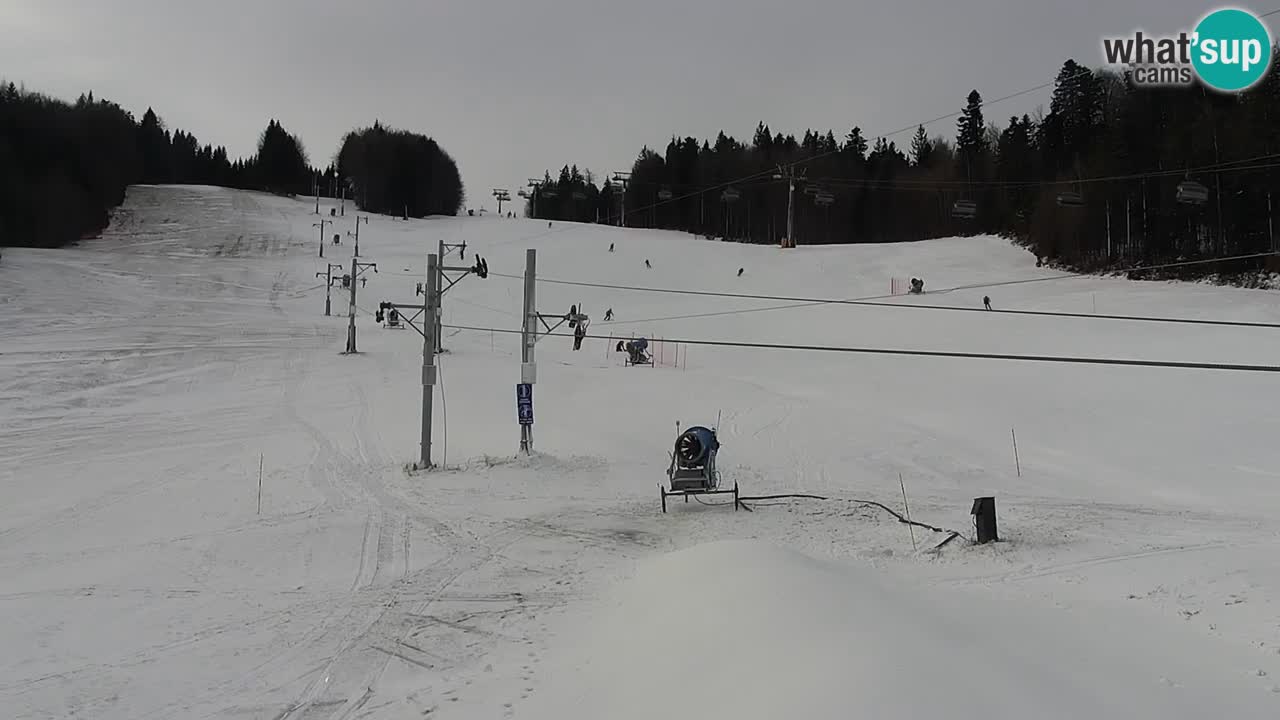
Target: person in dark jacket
{"type": "Point", "coordinates": [986, 302]}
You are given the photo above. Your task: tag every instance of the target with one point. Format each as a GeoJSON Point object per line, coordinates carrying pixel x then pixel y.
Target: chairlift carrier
{"type": "Point", "coordinates": [964, 209]}
{"type": "Point", "coordinates": [1070, 200]}
{"type": "Point", "coordinates": [1191, 192]}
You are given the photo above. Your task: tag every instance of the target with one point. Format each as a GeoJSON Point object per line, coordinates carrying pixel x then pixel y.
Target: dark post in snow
{"type": "Point", "coordinates": [356, 234]}
{"type": "Point", "coordinates": [984, 519]}
{"type": "Point", "coordinates": [357, 269]}
{"type": "Point", "coordinates": [328, 283]}
{"type": "Point", "coordinates": [528, 336]}
{"type": "Point", "coordinates": [321, 225]}
{"type": "Point", "coordinates": [428, 359]}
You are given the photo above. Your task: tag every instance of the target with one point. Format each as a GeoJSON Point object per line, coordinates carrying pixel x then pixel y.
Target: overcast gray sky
{"type": "Point", "coordinates": [514, 87]}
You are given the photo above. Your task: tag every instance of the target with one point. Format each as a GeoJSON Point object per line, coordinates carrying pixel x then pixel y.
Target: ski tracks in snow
{"type": "Point", "coordinates": [386, 587]}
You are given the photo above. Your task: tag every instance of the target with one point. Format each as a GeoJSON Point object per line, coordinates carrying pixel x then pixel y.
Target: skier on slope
{"type": "Point", "coordinates": [986, 301]}
{"type": "Point", "coordinates": [608, 315]}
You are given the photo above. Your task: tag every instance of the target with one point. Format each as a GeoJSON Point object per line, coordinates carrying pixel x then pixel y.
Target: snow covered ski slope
{"type": "Point", "coordinates": [145, 375]}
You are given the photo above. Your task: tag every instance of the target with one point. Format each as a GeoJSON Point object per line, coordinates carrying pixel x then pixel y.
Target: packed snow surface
{"type": "Point", "coordinates": [146, 376]}
{"type": "Point", "coordinates": [747, 629]}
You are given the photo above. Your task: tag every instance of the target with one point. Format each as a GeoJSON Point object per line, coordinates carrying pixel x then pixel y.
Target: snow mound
{"type": "Point", "coordinates": [747, 629]}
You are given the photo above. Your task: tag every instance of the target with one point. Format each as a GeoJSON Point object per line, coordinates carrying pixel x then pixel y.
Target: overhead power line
{"type": "Point", "coordinates": [1060, 359]}
{"type": "Point", "coordinates": [876, 300]}
{"type": "Point", "coordinates": [925, 185]}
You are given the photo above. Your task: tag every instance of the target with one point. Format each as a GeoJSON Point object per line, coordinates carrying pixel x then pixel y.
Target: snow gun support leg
{"type": "Point", "coordinates": [686, 493]}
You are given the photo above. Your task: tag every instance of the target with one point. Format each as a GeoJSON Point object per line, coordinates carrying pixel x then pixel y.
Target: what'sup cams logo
{"type": "Point", "coordinates": [1229, 50]}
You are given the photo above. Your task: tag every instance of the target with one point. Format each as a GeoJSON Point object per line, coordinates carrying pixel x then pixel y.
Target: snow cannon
{"type": "Point", "coordinates": [693, 466]}
{"type": "Point", "coordinates": [636, 352]}
{"type": "Point", "coordinates": [696, 447]}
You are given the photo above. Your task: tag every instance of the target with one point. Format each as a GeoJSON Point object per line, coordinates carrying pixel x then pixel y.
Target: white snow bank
{"type": "Point", "coordinates": [746, 629]}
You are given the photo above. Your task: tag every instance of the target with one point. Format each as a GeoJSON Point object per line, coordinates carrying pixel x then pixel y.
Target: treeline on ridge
{"type": "Point", "coordinates": [398, 172]}
{"type": "Point", "coordinates": [1093, 183]}
{"type": "Point", "coordinates": [64, 166]}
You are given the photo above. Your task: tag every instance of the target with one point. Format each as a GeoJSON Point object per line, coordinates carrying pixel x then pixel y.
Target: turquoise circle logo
{"type": "Point", "coordinates": [1232, 50]}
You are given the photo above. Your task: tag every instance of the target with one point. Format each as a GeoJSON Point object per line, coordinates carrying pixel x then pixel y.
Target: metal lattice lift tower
{"type": "Point", "coordinates": [359, 219]}
{"type": "Point", "coordinates": [788, 173]}
{"type": "Point", "coordinates": [529, 335]}
{"type": "Point", "coordinates": [444, 283]}
{"type": "Point", "coordinates": [428, 312]}
{"type": "Point", "coordinates": [501, 195]}
{"type": "Point", "coordinates": [321, 225]}
{"type": "Point", "coordinates": [620, 182]}
{"type": "Point", "coordinates": [357, 269]}
{"type": "Point", "coordinates": [536, 184]}
{"type": "Point", "coordinates": [328, 281]}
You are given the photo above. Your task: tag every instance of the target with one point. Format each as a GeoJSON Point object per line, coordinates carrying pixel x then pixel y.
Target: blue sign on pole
{"type": "Point", "coordinates": [524, 403]}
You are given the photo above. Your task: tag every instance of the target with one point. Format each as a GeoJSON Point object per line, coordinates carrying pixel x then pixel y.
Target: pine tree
{"type": "Point", "coordinates": [855, 144]}
{"type": "Point", "coordinates": [282, 163]}
{"type": "Point", "coordinates": [971, 129]}
{"type": "Point", "coordinates": [921, 148]}
{"type": "Point", "coordinates": [154, 148]}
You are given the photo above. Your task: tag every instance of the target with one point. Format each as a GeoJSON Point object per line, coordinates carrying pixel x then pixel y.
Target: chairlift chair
{"type": "Point", "coordinates": [1191, 192]}
{"type": "Point", "coordinates": [1070, 200]}
{"type": "Point", "coordinates": [964, 209]}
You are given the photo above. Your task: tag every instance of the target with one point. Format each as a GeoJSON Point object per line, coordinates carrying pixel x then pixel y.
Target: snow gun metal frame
{"type": "Point", "coordinates": [693, 466]}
